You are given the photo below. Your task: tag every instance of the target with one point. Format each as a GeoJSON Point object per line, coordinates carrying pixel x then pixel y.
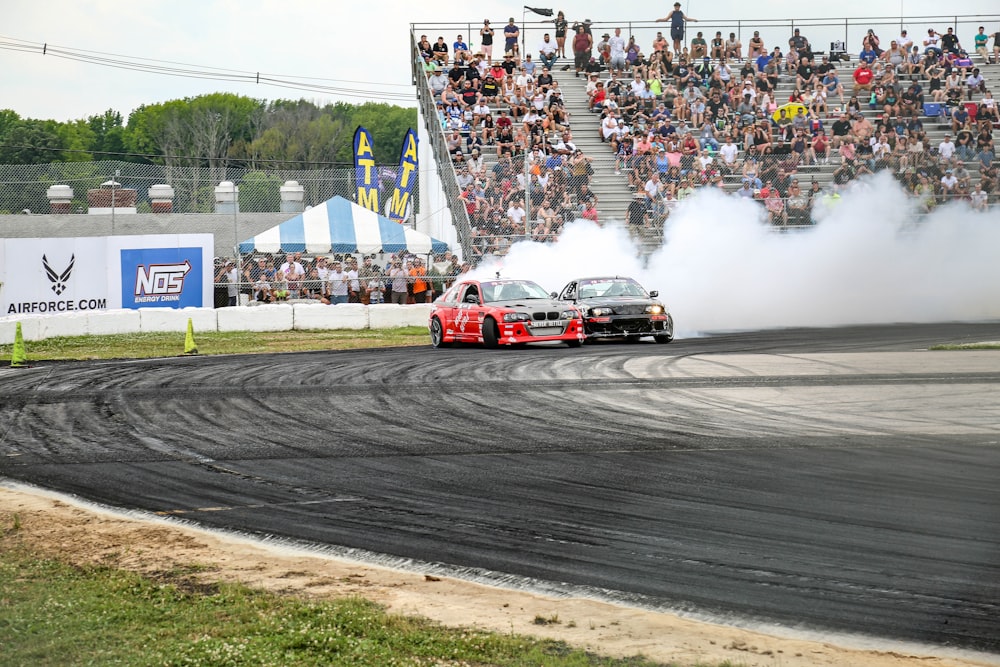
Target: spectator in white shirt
{"type": "Point", "coordinates": [946, 149]}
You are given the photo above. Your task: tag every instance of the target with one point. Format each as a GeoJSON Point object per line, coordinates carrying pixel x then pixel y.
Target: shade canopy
{"type": "Point", "coordinates": [339, 225]}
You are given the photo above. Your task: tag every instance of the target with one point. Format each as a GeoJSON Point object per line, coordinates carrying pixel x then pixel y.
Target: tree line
{"type": "Point", "coordinates": [217, 131]}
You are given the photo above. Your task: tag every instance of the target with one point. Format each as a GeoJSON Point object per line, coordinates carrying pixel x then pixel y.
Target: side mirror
{"type": "Point", "coordinates": [553, 295]}
{"type": "Point", "coordinates": [654, 294]}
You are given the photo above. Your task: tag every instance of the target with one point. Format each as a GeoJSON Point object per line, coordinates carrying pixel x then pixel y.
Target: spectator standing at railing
{"type": "Point", "coordinates": [486, 41]}
{"type": "Point", "coordinates": [511, 33]}
{"type": "Point", "coordinates": [677, 19]}
{"type": "Point", "coordinates": [616, 53]}
{"type": "Point", "coordinates": [418, 279]}
{"type": "Point", "coordinates": [339, 284]}
{"type": "Point", "coordinates": [583, 44]}
{"type": "Point", "coordinates": [227, 274]}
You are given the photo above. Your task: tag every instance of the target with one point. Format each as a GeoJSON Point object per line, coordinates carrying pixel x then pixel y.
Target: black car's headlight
{"type": "Point", "coordinates": [598, 312]}
{"type": "Point", "coordinates": [516, 317]}
{"type": "Point", "coordinates": [654, 309]}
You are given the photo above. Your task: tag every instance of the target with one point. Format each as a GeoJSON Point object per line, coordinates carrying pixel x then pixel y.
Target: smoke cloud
{"type": "Point", "coordinates": [871, 259]}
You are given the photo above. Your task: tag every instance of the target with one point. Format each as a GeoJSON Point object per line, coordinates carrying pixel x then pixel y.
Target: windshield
{"type": "Point", "coordinates": [610, 287]}
{"type": "Point", "coordinates": [508, 290]}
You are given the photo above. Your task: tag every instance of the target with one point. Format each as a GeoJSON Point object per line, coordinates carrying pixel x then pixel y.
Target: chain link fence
{"type": "Point", "coordinates": [23, 187]}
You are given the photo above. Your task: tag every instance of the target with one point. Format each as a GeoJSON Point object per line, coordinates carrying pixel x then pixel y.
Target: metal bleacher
{"type": "Point", "coordinates": [613, 189]}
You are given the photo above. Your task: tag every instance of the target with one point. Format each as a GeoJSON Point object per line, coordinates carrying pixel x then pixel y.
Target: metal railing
{"type": "Point", "coordinates": [775, 32]}
{"type": "Point", "coordinates": [445, 169]}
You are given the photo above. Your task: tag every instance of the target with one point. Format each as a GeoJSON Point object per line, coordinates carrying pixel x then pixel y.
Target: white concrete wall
{"type": "Point", "coordinates": [277, 317]}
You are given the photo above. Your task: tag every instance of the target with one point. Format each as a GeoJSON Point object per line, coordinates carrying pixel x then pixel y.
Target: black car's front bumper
{"type": "Point", "coordinates": [620, 326]}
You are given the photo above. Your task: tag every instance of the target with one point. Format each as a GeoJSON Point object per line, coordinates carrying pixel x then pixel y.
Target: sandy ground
{"type": "Point", "coordinates": [83, 534]}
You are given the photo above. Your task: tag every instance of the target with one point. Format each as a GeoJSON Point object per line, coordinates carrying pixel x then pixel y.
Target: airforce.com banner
{"type": "Point", "coordinates": [64, 275]}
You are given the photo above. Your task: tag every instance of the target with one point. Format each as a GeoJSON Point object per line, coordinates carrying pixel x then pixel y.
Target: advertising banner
{"type": "Point", "coordinates": [399, 206]}
{"type": "Point", "coordinates": [365, 174]}
{"type": "Point", "coordinates": [63, 275]}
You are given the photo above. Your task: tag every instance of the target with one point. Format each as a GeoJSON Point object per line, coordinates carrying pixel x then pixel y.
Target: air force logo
{"type": "Point", "coordinates": [58, 280]}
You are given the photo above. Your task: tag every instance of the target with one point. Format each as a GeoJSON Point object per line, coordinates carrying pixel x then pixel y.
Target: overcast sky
{"type": "Point", "coordinates": [360, 48]}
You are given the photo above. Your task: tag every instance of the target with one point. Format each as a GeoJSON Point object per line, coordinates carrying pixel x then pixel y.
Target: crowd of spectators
{"type": "Point", "coordinates": [707, 114]}
{"type": "Point", "coordinates": [511, 108]}
{"type": "Point", "coordinates": [398, 278]}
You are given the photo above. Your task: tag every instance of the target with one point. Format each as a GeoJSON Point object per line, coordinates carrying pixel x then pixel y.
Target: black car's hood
{"type": "Point", "coordinates": [528, 305]}
{"type": "Point", "coordinates": [612, 301]}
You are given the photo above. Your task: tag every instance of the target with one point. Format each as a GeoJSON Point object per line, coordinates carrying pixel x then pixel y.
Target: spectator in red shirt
{"type": "Point", "coordinates": [863, 77]}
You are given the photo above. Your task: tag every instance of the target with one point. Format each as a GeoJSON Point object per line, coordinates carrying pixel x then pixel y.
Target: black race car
{"type": "Point", "coordinates": [617, 307]}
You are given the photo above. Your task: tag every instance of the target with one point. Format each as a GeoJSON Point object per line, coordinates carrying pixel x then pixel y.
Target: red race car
{"type": "Point", "coordinates": [502, 312]}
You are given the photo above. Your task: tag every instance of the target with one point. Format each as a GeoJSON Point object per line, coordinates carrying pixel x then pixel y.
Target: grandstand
{"type": "Point", "coordinates": [619, 185]}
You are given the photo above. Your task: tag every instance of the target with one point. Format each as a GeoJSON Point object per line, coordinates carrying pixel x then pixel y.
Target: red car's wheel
{"type": "Point", "coordinates": [437, 334]}
{"type": "Point", "coordinates": [491, 333]}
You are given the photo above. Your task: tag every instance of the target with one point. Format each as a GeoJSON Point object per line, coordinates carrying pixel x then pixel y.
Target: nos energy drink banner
{"type": "Point", "coordinates": [365, 174]}
{"type": "Point", "coordinates": [399, 207]}
{"type": "Point", "coordinates": [64, 275]}
{"type": "Point", "coordinates": [159, 278]}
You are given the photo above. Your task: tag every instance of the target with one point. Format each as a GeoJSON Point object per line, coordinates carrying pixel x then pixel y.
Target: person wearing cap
{"type": "Point", "coordinates": [799, 44]}
{"type": "Point", "coordinates": [949, 182]}
{"type": "Point", "coordinates": [511, 33]}
{"type": "Point", "coordinates": [932, 43]}
{"type": "Point", "coordinates": [604, 49]}
{"type": "Point", "coordinates": [677, 19]}
{"type": "Point", "coordinates": [905, 41]}
{"type": "Point", "coordinates": [583, 44]}
{"type": "Point", "coordinates": [486, 41]}
{"type": "Point", "coordinates": [946, 149]}
{"type": "Point", "coordinates": [437, 81]}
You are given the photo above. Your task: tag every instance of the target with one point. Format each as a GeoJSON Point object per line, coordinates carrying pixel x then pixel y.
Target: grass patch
{"type": "Point", "coordinates": [52, 613]}
{"type": "Point", "coordinates": [149, 345]}
{"type": "Point", "coordinates": [989, 345]}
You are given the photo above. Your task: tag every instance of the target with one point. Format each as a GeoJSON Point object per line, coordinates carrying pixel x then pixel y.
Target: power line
{"type": "Point", "coordinates": [152, 156]}
{"type": "Point", "coordinates": [204, 72]}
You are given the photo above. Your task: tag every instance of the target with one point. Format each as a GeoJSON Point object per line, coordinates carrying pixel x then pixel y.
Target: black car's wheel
{"type": "Point", "coordinates": [437, 334]}
{"type": "Point", "coordinates": [668, 332]}
{"type": "Point", "coordinates": [491, 333]}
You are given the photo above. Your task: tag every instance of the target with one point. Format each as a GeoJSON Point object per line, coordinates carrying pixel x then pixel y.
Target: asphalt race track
{"type": "Point", "coordinates": [843, 480]}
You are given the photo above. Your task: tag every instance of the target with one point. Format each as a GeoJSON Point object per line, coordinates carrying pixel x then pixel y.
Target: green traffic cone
{"type": "Point", "coordinates": [18, 359]}
{"type": "Point", "coordinates": [189, 346]}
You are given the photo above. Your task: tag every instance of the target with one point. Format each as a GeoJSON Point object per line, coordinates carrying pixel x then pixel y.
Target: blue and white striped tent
{"type": "Point", "coordinates": [339, 225]}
